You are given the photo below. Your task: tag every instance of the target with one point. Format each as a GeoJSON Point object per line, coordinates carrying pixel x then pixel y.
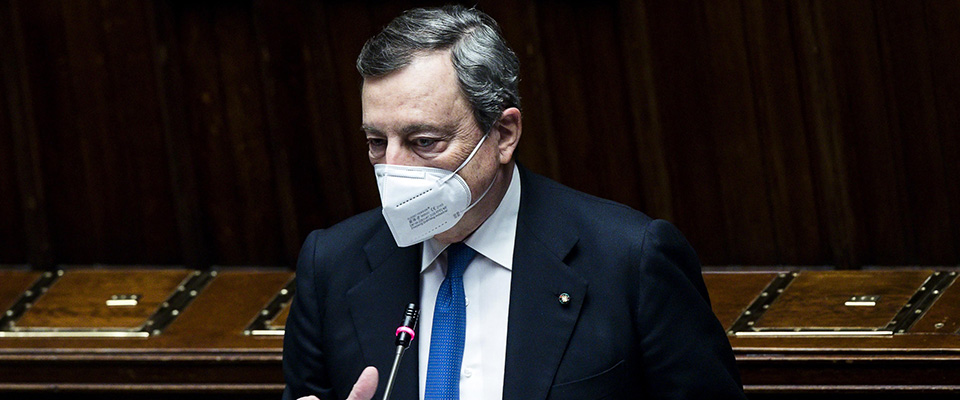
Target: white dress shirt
{"type": "Point", "coordinates": [486, 284]}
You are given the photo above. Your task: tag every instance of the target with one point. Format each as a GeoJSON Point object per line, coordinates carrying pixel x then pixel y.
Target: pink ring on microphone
{"type": "Point", "coordinates": [406, 329]}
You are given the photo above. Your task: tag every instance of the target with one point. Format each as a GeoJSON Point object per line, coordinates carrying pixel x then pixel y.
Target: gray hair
{"type": "Point", "coordinates": [487, 69]}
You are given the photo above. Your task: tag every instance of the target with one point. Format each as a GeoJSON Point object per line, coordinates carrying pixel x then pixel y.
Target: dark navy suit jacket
{"type": "Point", "coordinates": [638, 324]}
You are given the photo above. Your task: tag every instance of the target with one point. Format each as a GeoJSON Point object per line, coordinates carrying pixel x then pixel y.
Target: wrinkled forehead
{"type": "Point", "coordinates": [426, 86]}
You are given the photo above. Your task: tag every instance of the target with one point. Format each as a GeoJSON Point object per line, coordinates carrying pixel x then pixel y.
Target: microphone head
{"type": "Point", "coordinates": [407, 330]}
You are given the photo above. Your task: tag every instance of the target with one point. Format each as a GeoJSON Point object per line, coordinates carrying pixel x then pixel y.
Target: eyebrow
{"type": "Point", "coordinates": [367, 128]}
{"type": "Point", "coordinates": [410, 129]}
{"type": "Point", "coordinates": [415, 128]}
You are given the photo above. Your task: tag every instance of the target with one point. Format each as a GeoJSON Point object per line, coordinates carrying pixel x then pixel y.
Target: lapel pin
{"type": "Point", "coordinates": [564, 298]}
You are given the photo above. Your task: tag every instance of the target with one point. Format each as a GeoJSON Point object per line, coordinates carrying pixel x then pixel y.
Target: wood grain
{"type": "Point", "coordinates": [772, 59]}
{"type": "Point", "coordinates": [14, 284]}
{"type": "Point", "coordinates": [32, 242]}
{"type": "Point", "coordinates": [226, 307]}
{"type": "Point", "coordinates": [801, 132]}
{"type": "Point", "coordinates": [204, 353]}
{"type": "Point", "coordinates": [732, 293]}
{"type": "Point", "coordinates": [815, 299]}
{"type": "Point", "coordinates": [78, 299]}
{"type": "Point", "coordinates": [214, 321]}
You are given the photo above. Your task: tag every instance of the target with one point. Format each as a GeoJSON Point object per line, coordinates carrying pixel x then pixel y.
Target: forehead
{"type": "Point", "coordinates": [425, 91]}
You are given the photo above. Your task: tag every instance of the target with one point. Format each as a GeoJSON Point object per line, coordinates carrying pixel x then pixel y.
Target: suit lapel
{"type": "Point", "coordinates": [377, 304]}
{"type": "Point", "coordinates": [539, 326]}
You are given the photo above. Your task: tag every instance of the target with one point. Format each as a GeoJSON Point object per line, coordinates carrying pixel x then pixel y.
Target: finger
{"type": "Point", "coordinates": [366, 385]}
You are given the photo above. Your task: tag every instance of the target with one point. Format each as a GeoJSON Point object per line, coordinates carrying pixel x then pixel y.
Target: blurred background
{"type": "Point", "coordinates": [199, 133]}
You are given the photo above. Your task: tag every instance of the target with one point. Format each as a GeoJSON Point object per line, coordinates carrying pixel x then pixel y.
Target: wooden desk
{"type": "Point", "coordinates": [203, 350]}
{"type": "Point", "coordinates": [809, 341]}
{"type": "Point", "coordinates": [207, 349]}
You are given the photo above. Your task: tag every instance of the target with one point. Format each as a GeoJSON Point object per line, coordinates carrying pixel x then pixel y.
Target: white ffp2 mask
{"type": "Point", "coordinates": [420, 202]}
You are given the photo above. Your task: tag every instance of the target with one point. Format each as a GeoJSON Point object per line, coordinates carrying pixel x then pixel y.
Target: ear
{"type": "Point", "coordinates": [509, 127]}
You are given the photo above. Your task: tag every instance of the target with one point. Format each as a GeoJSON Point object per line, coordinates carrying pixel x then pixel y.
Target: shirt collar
{"type": "Point", "coordinates": [495, 237]}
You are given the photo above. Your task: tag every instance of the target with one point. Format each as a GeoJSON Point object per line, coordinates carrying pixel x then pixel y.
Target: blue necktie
{"type": "Point", "coordinates": [449, 328]}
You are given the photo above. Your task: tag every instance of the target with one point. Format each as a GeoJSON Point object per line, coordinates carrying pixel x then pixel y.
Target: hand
{"type": "Point", "coordinates": [364, 389]}
{"type": "Point", "coordinates": [366, 385]}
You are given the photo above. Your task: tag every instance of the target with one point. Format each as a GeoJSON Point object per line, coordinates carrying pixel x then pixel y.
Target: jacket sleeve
{"type": "Point", "coordinates": [685, 353]}
{"type": "Point", "coordinates": [303, 363]}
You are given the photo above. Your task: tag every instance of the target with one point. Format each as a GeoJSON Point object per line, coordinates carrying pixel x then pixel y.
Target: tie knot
{"type": "Point", "coordinates": [459, 256]}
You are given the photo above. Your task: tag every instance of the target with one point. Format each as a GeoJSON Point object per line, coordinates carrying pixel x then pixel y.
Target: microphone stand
{"type": "Point", "coordinates": [405, 334]}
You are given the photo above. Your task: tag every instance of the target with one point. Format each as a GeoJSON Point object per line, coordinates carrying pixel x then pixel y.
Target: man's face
{"type": "Point", "coordinates": [418, 116]}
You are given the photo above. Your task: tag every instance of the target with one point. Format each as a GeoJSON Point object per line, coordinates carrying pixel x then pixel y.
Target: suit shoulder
{"type": "Point", "coordinates": [353, 231]}
{"type": "Point", "coordinates": [579, 207]}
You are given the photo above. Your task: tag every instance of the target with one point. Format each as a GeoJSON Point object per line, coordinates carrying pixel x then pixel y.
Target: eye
{"type": "Point", "coordinates": [424, 142]}
{"type": "Point", "coordinates": [377, 146]}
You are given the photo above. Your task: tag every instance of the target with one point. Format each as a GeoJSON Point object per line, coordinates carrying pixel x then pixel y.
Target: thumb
{"type": "Point", "coordinates": [366, 385]}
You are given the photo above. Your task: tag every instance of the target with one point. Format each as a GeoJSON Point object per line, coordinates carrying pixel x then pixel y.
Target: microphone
{"type": "Point", "coordinates": [405, 333]}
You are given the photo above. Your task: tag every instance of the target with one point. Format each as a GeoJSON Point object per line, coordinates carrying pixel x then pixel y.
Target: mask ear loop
{"type": "Point", "coordinates": [470, 157]}
{"type": "Point", "coordinates": [479, 198]}
{"type": "Point", "coordinates": [454, 173]}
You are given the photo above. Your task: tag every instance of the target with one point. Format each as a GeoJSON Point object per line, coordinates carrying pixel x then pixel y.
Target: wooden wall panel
{"type": "Point", "coordinates": [337, 144]}
{"type": "Point", "coordinates": [25, 130]}
{"type": "Point", "coordinates": [785, 151]}
{"type": "Point", "coordinates": [13, 244]}
{"type": "Point", "coordinates": [732, 117]}
{"type": "Point", "coordinates": [944, 55]}
{"type": "Point", "coordinates": [589, 101]}
{"type": "Point", "coordinates": [95, 157]}
{"type": "Point", "coordinates": [74, 145]}
{"type": "Point", "coordinates": [12, 238]}
{"type": "Point", "coordinates": [224, 104]}
{"type": "Point", "coordinates": [528, 42]}
{"type": "Point", "coordinates": [283, 69]}
{"type": "Point", "coordinates": [171, 106]}
{"type": "Point", "coordinates": [802, 132]}
{"type": "Point", "coordinates": [681, 71]}
{"type": "Point", "coordinates": [643, 106]}
{"type": "Point", "coordinates": [244, 140]}
{"type": "Point", "coordinates": [818, 100]}
{"type": "Point", "coordinates": [123, 174]}
{"type": "Point", "coordinates": [341, 18]}
{"type": "Point", "coordinates": [875, 167]}
{"type": "Point", "coordinates": [136, 127]}
{"type": "Point", "coordinates": [913, 119]}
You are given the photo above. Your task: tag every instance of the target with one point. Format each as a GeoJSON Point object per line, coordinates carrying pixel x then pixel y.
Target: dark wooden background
{"type": "Point", "coordinates": [221, 132]}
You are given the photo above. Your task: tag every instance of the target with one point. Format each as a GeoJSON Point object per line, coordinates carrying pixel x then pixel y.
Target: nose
{"type": "Point", "coordinates": [398, 154]}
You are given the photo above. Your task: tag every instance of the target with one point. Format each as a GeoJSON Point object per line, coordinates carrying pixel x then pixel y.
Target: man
{"type": "Point", "coordinates": [528, 289]}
